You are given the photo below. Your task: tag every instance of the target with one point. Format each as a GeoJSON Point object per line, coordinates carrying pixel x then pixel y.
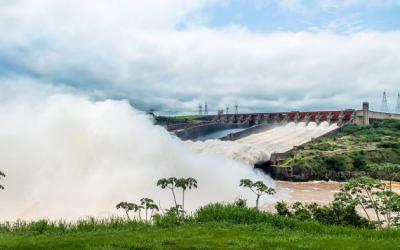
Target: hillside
{"type": "Point", "coordinates": [358, 150]}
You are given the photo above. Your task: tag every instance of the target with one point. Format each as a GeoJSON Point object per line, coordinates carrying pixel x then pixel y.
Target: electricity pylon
{"type": "Point", "coordinates": [236, 109]}
{"type": "Point", "coordinates": [384, 108]}
{"type": "Point", "coordinates": [398, 103]}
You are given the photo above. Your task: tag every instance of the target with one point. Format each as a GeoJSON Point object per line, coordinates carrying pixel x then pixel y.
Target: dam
{"type": "Point", "coordinates": [261, 137]}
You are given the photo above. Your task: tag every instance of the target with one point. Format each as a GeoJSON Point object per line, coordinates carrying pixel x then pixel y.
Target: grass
{"type": "Point", "coordinates": [215, 226]}
{"type": "Point", "coordinates": [190, 119]}
{"type": "Point", "coordinates": [203, 236]}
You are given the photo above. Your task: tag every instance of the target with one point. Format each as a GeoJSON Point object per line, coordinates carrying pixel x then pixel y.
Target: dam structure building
{"type": "Point", "coordinates": [256, 122]}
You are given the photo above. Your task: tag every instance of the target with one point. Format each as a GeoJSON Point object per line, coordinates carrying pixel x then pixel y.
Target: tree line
{"type": "Point", "coordinates": [379, 203]}
{"type": "Point", "coordinates": [375, 198]}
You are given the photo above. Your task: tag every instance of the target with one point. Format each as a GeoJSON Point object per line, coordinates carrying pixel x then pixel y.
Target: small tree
{"type": "Point", "coordinates": [168, 183]}
{"type": "Point", "coordinates": [126, 206]}
{"type": "Point", "coordinates": [2, 175]}
{"type": "Point", "coordinates": [153, 207]}
{"type": "Point", "coordinates": [185, 183]}
{"type": "Point", "coordinates": [148, 204]}
{"type": "Point", "coordinates": [137, 209]}
{"type": "Point", "coordinates": [258, 188]}
{"type": "Point", "coordinates": [371, 194]}
{"type": "Point", "coordinates": [391, 172]}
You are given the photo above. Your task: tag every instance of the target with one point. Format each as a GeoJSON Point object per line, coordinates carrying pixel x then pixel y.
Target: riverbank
{"type": "Point", "coordinates": [356, 151]}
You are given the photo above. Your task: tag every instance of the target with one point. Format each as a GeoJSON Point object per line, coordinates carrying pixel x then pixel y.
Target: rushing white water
{"type": "Point", "coordinates": [68, 157]}
{"type": "Point", "coordinates": [258, 147]}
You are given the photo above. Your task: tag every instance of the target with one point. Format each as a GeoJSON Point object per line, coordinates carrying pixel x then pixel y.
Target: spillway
{"type": "Point", "coordinates": [258, 147]}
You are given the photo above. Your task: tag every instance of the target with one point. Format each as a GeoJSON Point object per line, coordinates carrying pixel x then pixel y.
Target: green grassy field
{"type": "Point", "coordinates": [215, 227]}
{"type": "Point", "coordinates": [206, 236]}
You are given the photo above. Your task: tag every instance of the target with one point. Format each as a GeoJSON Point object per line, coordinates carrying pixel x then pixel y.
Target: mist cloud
{"type": "Point", "coordinates": [66, 156]}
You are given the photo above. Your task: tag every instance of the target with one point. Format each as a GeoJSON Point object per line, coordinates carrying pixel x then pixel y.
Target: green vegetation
{"type": "Point", "coordinates": [185, 183]}
{"type": "Point", "coordinates": [357, 151]}
{"type": "Point", "coordinates": [258, 188]}
{"type": "Point", "coordinates": [215, 226]}
{"type": "Point", "coordinates": [172, 183]}
{"type": "Point", "coordinates": [179, 119]}
{"type": "Point", "coordinates": [226, 226]}
{"type": "Point", "coordinates": [381, 206]}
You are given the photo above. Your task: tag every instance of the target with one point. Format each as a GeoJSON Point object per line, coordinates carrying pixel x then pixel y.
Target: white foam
{"type": "Point", "coordinates": [258, 147]}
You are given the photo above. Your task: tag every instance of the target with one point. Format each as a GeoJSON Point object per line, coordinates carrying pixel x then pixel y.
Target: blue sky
{"type": "Point", "coordinates": [266, 55]}
{"type": "Point", "coordinates": [273, 17]}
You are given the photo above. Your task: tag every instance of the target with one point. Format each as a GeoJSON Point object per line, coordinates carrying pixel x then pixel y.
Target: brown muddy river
{"type": "Point", "coordinates": [306, 192]}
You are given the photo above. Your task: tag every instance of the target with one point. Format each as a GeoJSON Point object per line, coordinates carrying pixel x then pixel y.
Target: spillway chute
{"type": "Point", "coordinates": [259, 146]}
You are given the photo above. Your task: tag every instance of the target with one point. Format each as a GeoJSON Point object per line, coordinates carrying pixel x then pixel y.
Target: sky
{"type": "Point", "coordinates": [171, 55]}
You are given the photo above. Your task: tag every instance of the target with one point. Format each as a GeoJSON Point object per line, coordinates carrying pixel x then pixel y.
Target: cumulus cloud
{"type": "Point", "coordinates": [151, 53]}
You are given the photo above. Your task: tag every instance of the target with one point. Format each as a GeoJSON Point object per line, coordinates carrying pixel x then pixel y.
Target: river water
{"type": "Point", "coordinates": [218, 134]}
{"type": "Point", "coordinates": [321, 192]}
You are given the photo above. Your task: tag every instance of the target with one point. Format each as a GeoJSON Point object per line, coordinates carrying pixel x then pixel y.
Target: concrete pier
{"type": "Point", "coordinates": [365, 113]}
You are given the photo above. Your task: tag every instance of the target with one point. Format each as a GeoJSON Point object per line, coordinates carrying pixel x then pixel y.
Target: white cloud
{"type": "Point", "coordinates": [133, 49]}
{"type": "Point", "coordinates": [297, 5]}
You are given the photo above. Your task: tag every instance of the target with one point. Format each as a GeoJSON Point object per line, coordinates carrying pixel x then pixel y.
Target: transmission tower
{"type": "Point", "coordinates": [205, 109]}
{"type": "Point", "coordinates": [384, 108]}
{"type": "Point", "coordinates": [227, 110]}
{"type": "Point", "coordinates": [398, 103]}
{"type": "Point", "coordinates": [200, 109]}
{"type": "Point", "coordinates": [236, 109]}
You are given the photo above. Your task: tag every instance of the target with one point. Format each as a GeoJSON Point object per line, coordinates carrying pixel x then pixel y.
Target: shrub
{"type": "Point", "coordinates": [395, 145]}
{"type": "Point", "coordinates": [359, 162]}
{"type": "Point", "coordinates": [230, 213]}
{"type": "Point", "coordinates": [168, 220]}
{"type": "Point", "coordinates": [240, 202]}
{"type": "Point", "coordinates": [300, 212]}
{"type": "Point", "coordinates": [282, 209]}
{"type": "Point", "coordinates": [323, 146]}
{"type": "Point", "coordinates": [335, 163]}
{"type": "Point", "coordinates": [336, 213]}
{"type": "Point", "coordinates": [39, 227]}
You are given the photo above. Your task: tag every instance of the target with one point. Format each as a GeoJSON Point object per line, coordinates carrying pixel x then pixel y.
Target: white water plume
{"type": "Point", "coordinates": [68, 157]}
{"type": "Point", "coordinates": [258, 147]}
